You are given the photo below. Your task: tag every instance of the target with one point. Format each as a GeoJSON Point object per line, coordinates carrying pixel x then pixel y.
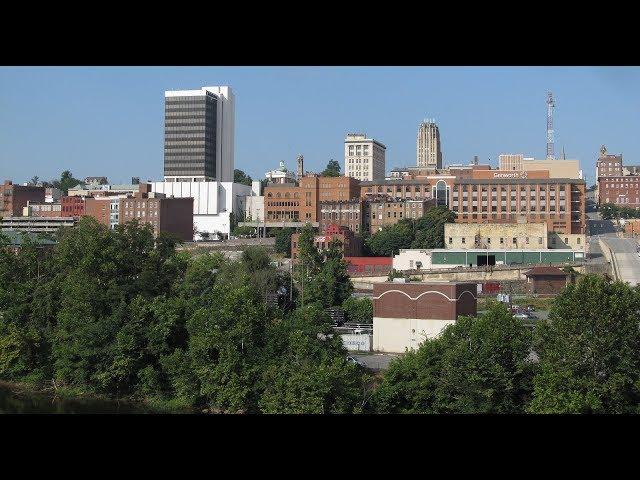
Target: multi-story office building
{"type": "Point", "coordinates": [346, 213]}
{"type": "Point", "coordinates": [199, 135]}
{"type": "Point", "coordinates": [384, 211]}
{"type": "Point", "coordinates": [364, 158]}
{"type": "Point", "coordinates": [494, 196]}
{"type": "Point", "coordinates": [429, 153]}
{"type": "Point", "coordinates": [13, 198]}
{"type": "Point", "coordinates": [301, 203]}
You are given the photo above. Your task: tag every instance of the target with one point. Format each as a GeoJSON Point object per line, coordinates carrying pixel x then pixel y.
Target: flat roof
{"type": "Point", "coordinates": [469, 181]}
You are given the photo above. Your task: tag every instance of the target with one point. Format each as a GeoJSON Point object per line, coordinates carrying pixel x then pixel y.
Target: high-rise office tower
{"type": "Point", "coordinates": [428, 145]}
{"type": "Point", "coordinates": [199, 135]}
{"type": "Point", "coordinates": [364, 158]}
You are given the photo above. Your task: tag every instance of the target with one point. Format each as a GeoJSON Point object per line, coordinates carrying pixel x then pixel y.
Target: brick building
{"type": "Point", "coordinates": [37, 209]}
{"type": "Point", "coordinates": [343, 213]}
{"type": "Point", "coordinates": [170, 215]}
{"type": "Point", "coordinates": [495, 196]}
{"type": "Point", "coordinates": [301, 203]}
{"type": "Point", "coordinates": [406, 314]}
{"type": "Point", "coordinates": [72, 206]}
{"type": "Point", "coordinates": [351, 245]}
{"type": "Point", "coordinates": [615, 183]}
{"type": "Point", "coordinates": [13, 198]}
{"type": "Point", "coordinates": [381, 211]}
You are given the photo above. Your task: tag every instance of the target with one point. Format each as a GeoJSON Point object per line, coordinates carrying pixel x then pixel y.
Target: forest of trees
{"type": "Point", "coordinates": [119, 313]}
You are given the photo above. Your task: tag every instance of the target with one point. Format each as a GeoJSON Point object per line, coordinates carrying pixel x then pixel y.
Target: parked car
{"type": "Point", "coordinates": [531, 308]}
{"type": "Point", "coordinates": [522, 316]}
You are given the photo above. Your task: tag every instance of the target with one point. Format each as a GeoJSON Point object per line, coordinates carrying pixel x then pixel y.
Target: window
{"type": "Point", "coordinates": [513, 240]}
{"type": "Point", "coordinates": [526, 240]}
{"type": "Point", "coordinates": [501, 240]}
{"type": "Point", "coordinates": [463, 240]}
{"type": "Point", "coordinates": [539, 240]}
{"type": "Point", "coordinates": [578, 240]}
{"type": "Point", "coordinates": [451, 240]}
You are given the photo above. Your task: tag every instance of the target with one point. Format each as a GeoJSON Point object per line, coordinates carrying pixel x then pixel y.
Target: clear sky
{"type": "Point", "coordinates": [109, 120]}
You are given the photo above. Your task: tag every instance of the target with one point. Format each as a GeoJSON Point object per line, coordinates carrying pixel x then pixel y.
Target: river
{"type": "Point", "coordinates": [21, 401]}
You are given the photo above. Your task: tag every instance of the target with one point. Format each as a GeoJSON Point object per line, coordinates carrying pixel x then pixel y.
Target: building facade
{"type": "Point", "coordinates": [36, 224]}
{"type": "Point", "coordinates": [301, 203]}
{"type": "Point", "coordinates": [281, 175]}
{"type": "Point", "coordinates": [13, 198]}
{"type": "Point", "coordinates": [45, 209]}
{"type": "Point", "coordinates": [383, 212]}
{"type": "Point", "coordinates": [546, 280]}
{"type": "Point", "coordinates": [615, 183]}
{"type": "Point", "coordinates": [199, 135]}
{"type": "Point", "coordinates": [347, 214]}
{"type": "Point", "coordinates": [364, 158]}
{"type": "Point", "coordinates": [213, 203]}
{"type": "Point", "coordinates": [407, 314]}
{"type": "Point", "coordinates": [428, 149]}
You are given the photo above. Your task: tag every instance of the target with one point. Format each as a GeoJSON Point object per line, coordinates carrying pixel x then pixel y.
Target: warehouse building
{"type": "Point", "coordinates": [406, 314]}
{"type": "Point", "coordinates": [442, 258]}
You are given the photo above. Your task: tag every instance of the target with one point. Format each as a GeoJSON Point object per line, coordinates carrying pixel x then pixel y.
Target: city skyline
{"type": "Point", "coordinates": [109, 121]}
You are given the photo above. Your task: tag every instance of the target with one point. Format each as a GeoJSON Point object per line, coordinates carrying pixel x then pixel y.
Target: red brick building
{"type": "Point", "coordinates": [170, 215]}
{"type": "Point", "coordinates": [351, 245]}
{"type": "Point", "coordinates": [51, 210]}
{"type": "Point", "coordinates": [615, 183]}
{"type": "Point", "coordinates": [406, 314]}
{"type": "Point", "coordinates": [301, 203]}
{"type": "Point", "coordinates": [346, 214]}
{"type": "Point", "coordinates": [72, 206]}
{"type": "Point", "coordinates": [13, 198]}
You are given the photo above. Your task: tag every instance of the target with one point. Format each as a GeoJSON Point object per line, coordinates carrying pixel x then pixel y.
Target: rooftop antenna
{"type": "Point", "coordinates": [563, 155]}
{"type": "Point", "coordinates": [550, 105]}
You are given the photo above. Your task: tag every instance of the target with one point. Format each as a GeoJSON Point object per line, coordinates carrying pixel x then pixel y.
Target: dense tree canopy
{"type": "Point", "coordinates": [589, 350]}
{"type": "Point", "coordinates": [332, 170]}
{"type": "Point", "coordinates": [611, 211]}
{"type": "Point", "coordinates": [240, 177]}
{"type": "Point", "coordinates": [477, 365]}
{"type": "Point", "coordinates": [283, 240]}
{"type": "Point", "coordinates": [66, 182]}
{"type": "Point", "coordinates": [120, 313]}
{"type": "Point", "coordinates": [425, 232]}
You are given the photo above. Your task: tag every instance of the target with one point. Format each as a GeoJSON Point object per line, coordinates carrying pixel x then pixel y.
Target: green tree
{"type": "Point", "coordinates": [429, 230]}
{"type": "Point", "coordinates": [588, 350]}
{"type": "Point", "coordinates": [306, 370]}
{"type": "Point", "coordinates": [283, 241]}
{"type": "Point", "coordinates": [66, 182]}
{"type": "Point", "coordinates": [240, 177]}
{"type": "Point", "coordinates": [332, 170]}
{"type": "Point", "coordinates": [358, 310]}
{"type": "Point", "coordinates": [477, 365]}
{"type": "Point", "coordinates": [391, 239]}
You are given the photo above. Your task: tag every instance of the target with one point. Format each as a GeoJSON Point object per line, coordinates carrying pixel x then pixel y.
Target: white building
{"type": "Point", "coordinates": [364, 158]}
{"type": "Point", "coordinates": [213, 203]}
{"type": "Point", "coordinates": [429, 153]}
{"type": "Point", "coordinates": [254, 204]}
{"type": "Point", "coordinates": [281, 175]}
{"type": "Point", "coordinates": [190, 130]}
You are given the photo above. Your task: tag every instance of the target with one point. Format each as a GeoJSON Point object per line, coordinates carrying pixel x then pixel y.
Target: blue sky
{"type": "Point", "coordinates": [109, 120]}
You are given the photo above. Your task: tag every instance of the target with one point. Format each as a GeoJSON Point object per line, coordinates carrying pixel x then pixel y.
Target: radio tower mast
{"type": "Point", "coordinates": [550, 105]}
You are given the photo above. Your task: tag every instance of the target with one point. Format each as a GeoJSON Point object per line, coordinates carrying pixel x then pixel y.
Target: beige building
{"type": "Point", "coordinates": [557, 168]}
{"type": "Point", "coordinates": [503, 236]}
{"type": "Point", "coordinates": [429, 153]}
{"type": "Point", "coordinates": [509, 236]}
{"type": "Point", "coordinates": [510, 162]}
{"type": "Point", "coordinates": [364, 158]}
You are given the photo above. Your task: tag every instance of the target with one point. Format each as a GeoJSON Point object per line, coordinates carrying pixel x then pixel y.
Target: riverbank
{"type": "Point", "coordinates": [21, 397]}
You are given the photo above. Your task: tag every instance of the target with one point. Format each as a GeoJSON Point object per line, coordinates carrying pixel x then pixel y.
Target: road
{"type": "Point", "coordinates": [626, 257]}
{"type": "Point", "coordinates": [375, 361]}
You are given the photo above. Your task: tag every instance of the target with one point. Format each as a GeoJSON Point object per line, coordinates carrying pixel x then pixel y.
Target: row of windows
{"type": "Point", "coordinates": [514, 240]}
{"type": "Point", "coordinates": [286, 195]}
{"type": "Point", "coordinates": [283, 204]}
{"type": "Point", "coordinates": [338, 216]}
